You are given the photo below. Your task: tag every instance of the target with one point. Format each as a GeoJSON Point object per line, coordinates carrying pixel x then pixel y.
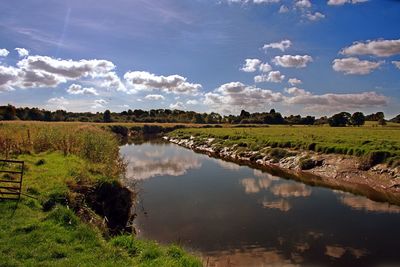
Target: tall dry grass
{"type": "Point", "coordinates": [86, 141]}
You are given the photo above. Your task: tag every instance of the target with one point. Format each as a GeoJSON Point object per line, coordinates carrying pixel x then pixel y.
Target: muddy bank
{"type": "Point", "coordinates": [347, 173]}
{"type": "Point", "coordinates": [108, 206]}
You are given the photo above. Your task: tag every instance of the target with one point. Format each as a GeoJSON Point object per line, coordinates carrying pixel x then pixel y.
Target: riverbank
{"type": "Point", "coordinates": [73, 211]}
{"type": "Point", "coordinates": [380, 182]}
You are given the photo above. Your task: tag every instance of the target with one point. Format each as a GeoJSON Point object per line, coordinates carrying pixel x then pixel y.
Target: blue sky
{"type": "Point", "coordinates": [303, 56]}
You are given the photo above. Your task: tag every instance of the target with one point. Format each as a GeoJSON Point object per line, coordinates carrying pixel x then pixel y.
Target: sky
{"type": "Point", "coordinates": [304, 57]}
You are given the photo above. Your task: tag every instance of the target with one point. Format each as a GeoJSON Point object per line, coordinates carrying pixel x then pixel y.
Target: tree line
{"type": "Point", "coordinates": [341, 119]}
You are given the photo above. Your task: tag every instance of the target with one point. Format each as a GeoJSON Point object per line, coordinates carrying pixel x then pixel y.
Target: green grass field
{"type": "Point", "coordinates": [358, 141]}
{"type": "Point", "coordinates": [58, 157]}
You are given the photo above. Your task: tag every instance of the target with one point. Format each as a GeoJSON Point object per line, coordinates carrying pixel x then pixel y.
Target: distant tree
{"type": "Point", "coordinates": [339, 120]}
{"type": "Point", "coordinates": [357, 119]}
{"type": "Point", "coordinates": [396, 119]}
{"type": "Point", "coordinates": [375, 116]}
{"type": "Point", "coordinates": [272, 111]}
{"type": "Point", "coordinates": [198, 118]}
{"type": "Point", "coordinates": [244, 114]}
{"type": "Point", "coordinates": [9, 113]}
{"type": "Point", "coordinates": [107, 116]}
{"type": "Point", "coordinates": [382, 122]}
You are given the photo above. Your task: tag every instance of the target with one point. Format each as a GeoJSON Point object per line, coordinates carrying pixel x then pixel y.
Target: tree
{"type": "Point", "coordinates": [339, 120]}
{"type": "Point", "coordinates": [244, 114]}
{"type": "Point", "coordinates": [107, 116]}
{"type": "Point", "coordinates": [357, 119]}
{"type": "Point", "coordinates": [9, 113]}
{"type": "Point", "coordinates": [382, 122]}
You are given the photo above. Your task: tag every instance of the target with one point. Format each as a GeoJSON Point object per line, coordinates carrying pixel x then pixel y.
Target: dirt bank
{"type": "Point", "coordinates": [335, 171]}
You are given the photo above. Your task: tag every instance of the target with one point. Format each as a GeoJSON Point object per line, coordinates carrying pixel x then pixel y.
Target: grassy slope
{"type": "Point", "coordinates": [72, 154]}
{"type": "Point", "coordinates": [357, 141]}
{"type": "Point", "coordinates": [31, 237]}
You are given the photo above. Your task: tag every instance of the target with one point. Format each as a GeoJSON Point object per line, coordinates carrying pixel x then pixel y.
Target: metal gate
{"type": "Point", "coordinates": [11, 175]}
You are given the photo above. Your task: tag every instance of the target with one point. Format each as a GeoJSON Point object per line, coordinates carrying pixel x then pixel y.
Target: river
{"type": "Point", "coordinates": [234, 215]}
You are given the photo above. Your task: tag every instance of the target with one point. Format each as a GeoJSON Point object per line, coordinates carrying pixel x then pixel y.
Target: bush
{"type": "Point", "coordinates": [307, 163]}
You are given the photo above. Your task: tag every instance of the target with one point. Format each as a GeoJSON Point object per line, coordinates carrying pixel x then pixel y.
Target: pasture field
{"type": "Point", "coordinates": [42, 229]}
{"type": "Point", "coordinates": [357, 141]}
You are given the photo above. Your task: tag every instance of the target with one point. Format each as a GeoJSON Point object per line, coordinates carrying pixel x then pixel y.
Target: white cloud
{"type": "Point", "coordinates": [4, 52]}
{"type": "Point", "coordinates": [22, 52]}
{"type": "Point", "coordinates": [77, 89]}
{"type": "Point", "coordinates": [8, 76]}
{"type": "Point", "coordinates": [177, 105]}
{"type": "Point", "coordinates": [154, 97]}
{"type": "Point", "coordinates": [289, 61]}
{"type": "Point", "coordinates": [99, 103]}
{"type": "Point", "coordinates": [303, 3]}
{"type": "Point", "coordinates": [251, 65]}
{"type": "Point", "coordinates": [273, 76]}
{"type": "Point", "coordinates": [342, 2]}
{"type": "Point", "coordinates": [253, 1]}
{"type": "Point", "coordinates": [296, 91]}
{"type": "Point", "coordinates": [265, 67]}
{"type": "Point", "coordinates": [314, 17]}
{"type": "Point", "coordinates": [294, 81]}
{"type": "Point", "coordinates": [336, 102]}
{"type": "Point", "coordinates": [142, 80]}
{"type": "Point", "coordinates": [57, 102]}
{"type": "Point", "coordinates": [282, 45]}
{"type": "Point", "coordinates": [283, 9]}
{"type": "Point", "coordinates": [380, 48]}
{"type": "Point", "coordinates": [233, 96]}
{"type": "Point", "coordinates": [397, 64]}
{"type": "Point", "coordinates": [110, 80]}
{"type": "Point", "coordinates": [353, 65]}
{"type": "Point", "coordinates": [192, 102]}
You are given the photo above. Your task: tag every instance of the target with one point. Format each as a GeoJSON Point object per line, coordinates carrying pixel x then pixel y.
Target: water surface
{"type": "Point", "coordinates": [237, 216]}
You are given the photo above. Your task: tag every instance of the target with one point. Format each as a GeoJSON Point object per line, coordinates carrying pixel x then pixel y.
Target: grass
{"type": "Point", "coordinates": [358, 141]}
{"type": "Point", "coordinates": [57, 158]}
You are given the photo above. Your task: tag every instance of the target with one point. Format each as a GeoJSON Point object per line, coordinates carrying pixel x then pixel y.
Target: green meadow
{"type": "Point", "coordinates": [42, 229]}
{"type": "Point", "coordinates": [381, 141]}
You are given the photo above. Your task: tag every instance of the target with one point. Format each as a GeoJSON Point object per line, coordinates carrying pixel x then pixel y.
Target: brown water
{"type": "Point", "coordinates": [237, 216]}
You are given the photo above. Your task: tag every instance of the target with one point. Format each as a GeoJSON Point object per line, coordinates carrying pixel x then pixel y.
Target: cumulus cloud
{"type": "Point", "coordinates": [303, 3]}
{"type": "Point", "coordinates": [99, 103]}
{"type": "Point", "coordinates": [380, 48]}
{"type": "Point", "coordinates": [283, 9]}
{"type": "Point", "coordinates": [4, 52]}
{"type": "Point", "coordinates": [234, 96]}
{"type": "Point", "coordinates": [336, 101]}
{"type": "Point", "coordinates": [294, 81]}
{"type": "Point", "coordinates": [8, 76]}
{"type": "Point", "coordinates": [397, 64]}
{"type": "Point", "coordinates": [354, 65]}
{"type": "Point", "coordinates": [297, 91]}
{"type": "Point", "coordinates": [154, 97]}
{"type": "Point", "coordinates": [142, 80]}
{"type": "Point", "coordinates": [315, 16]}
{"type": "Point", "coordinates": [57, 102]}
{"type": "Point", "coordinates": [342, 2]}
{"type": "Point", "coordinates": [265, 67]}
{"type": "Point", "coordinates": [289, 61]}
{"type": "Point", "coordinates": [251, 65]}
{"type": "Point", "coordinates": [177, 105]}
{"type": "Point", "coordinates": [22, 52]}
{"type": "Point", "coordinates": [273, 76]}
{"type": "Point", "coordinates": [192, 102]}
{"type": "Point", "coordinates": [77, 89]}
{"type": "Point", "coordinates": [254, 1]}
{"type": "Point", "coordinates": [282, 45]}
